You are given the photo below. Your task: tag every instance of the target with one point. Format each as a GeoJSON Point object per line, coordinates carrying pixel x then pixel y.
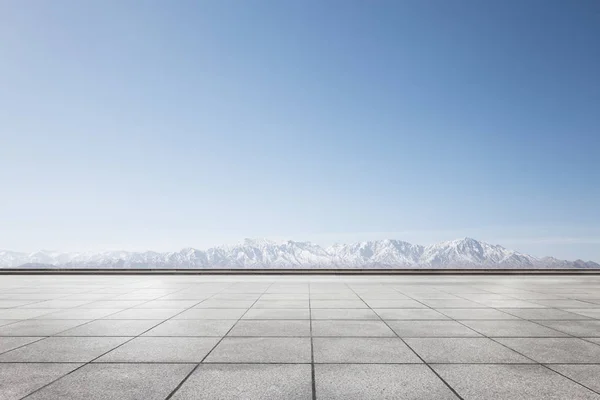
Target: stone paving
{"type": "Point", "coordinates": [187, 337]}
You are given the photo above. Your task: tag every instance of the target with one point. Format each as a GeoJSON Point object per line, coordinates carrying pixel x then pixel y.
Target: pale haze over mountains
{"type": "Point", "coordinates": [260, 253]}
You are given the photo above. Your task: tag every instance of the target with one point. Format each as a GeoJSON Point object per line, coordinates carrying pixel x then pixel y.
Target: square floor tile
{"type": "Point", "coordinates": [343, 313]}
{"type": "Point", "coordinates": [566, 303]}
{"type": "Point", "coordinates": [277, 313]}
{"type": "Point", "coordinates": [431, 329]}
{"type": "Point", "coordinates": [10, 343]}
{"type": "Point", "coordinates": [192, 327]}
{"type": "Point", "coordinates": [261, 350]}
{"type": "Point", "coordinates": [587, 375]}
{"type": "Point", "coordinates": [212, 303]}
{"type": "Point", "coordinates": [80, 313]}
{"type": "Point", "coordinates": [113, 304]}
{"type": "Point", "coordinates": [586, 312]}
{"type": "Point", "coordinates": [143, 313]}
{"type": "Point", "coordinates": [543, 313]}
{"type": "Point", "coordinates": [452, 303]}
{"type": "Point", "coordinates": [281, 304]}
{"type": "Point", "coordinates": [38, 327]}
{"type": "Point", "coordinates": [512, 329]}
{"type": "Point", "coordinates": [112, 327]}
{"type": "Point", "coordinates": [271, 328]}
{"type": "Point", "coordinates": [24, 313]}
{"type": "Point", "coordinates": [555, 350]}
{"type": "Point", "coordinates": [492, 382]}
{"type": "Point", "coordinates": [395, 304]}
{"type": "Point", "coordinates": [162, 350]}
{"type": "Point", "coordinates": [587, 328]}
{"type": "Point", "coordinates": [357, 382]}
{"type": "Point", "coordinates": [116, 382]}
{"type": "Point", "coordinates": [409, 314]}
{"type": "Point", "coordinates": [362, 350]}
{"type": "Point", "coordinates": [63, 349]}
{"type": "Point", "coordinates": [246, 381]}
{"type": "Point", "coordinates": [350, 328]}
{"type": "Point", "coordinates": [169, 304]}
{"type": "Point", "coordinates": [476, 313]}
{"type": "Point", "coordinates": [463, 350]}
{"type": "Point", "coordinates": [18, 380]}
{"type": "Point", "coordinates": [212, 313]}
{"type": "Point", "coordinates": [315, 304]}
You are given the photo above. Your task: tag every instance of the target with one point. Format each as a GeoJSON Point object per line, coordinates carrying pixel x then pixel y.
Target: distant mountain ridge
{"type": "Point", "coordinates": [252, 253]}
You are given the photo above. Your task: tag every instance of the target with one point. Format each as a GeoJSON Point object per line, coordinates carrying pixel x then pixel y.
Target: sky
{"type": "Point", "coordinates": [161, 125]}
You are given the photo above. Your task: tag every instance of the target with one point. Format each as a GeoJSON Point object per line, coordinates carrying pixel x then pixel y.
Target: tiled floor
{"type": "Point", "coordinates": [299, 337]}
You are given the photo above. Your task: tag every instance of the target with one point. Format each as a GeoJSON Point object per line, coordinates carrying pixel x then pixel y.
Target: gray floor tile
{"type": "Point", "coordinates": [343, 313]}
{"type": "Point", "coordinates": [211, 303]}
{"type": "Point", "coordinates": [543, 313]}
{"type": "Point", "coordinates": [8, 321]}
{"type": "Point", "coordinates": [80, 313]}
{"type": "Point", "coordinates": [450, 303]}
{"type": "Point", "coordinates": [116, 382]}
{"type": "Point", "coordinates": [566, 303]}
{"type": "Point", "coordinates": [113, 304]}
{"type": "Point", "coordinates": [475, 313]}
{"type": "Point", "coordinates": [237, 381]}
{"type": "Point", "coordinates": [17, 303]}
{"type": "Point", "coordinates": [24, 313]}
{"type": "Point", "coordinates": [404, 382]}
{"type": "Point", "coordinates": [316, 304]}
{"type": "Point", "coordinates": [57, 304]}
{"type": "Point", "coordinates": [18, 380]}
{"type": "Point", "coordinates": [38, 327]}
{"type": "Point", "coordinates": [512, 329]}
{"type": "Point", "coordinates": [63, 349]}
{"type": "Point", "coordinates": [261, 350]}
{"type": "Point", "coordinates": [162, 350]}
{"type": "Point", "coordinates": [212, 313]}
{"type": "Point", "coordinates": [409, 313]}
{"type": "Point", "coordinates": [463, 350]}
{"type": "Point", "coordinates": [277, 313]}
{"type": "Point", "coordinates": [192, 327]}
{"type": "Point", "coordinates": [518, 382]}
{"type": "Point", "coordinates": [281, 304]}
{"type": "Point", "coordinates": [513, 303]}
{"type": "Point", "coordinates": [169, 304]}
{"type": "Point", "coordinates": [431, 329]}
{"type": "Point", "coordinates": [9, 343]}
{"type": "Point", "coordinates": [395, 304]}
{"type": "Point", "coordinates": [586, 328]}
{"type": "Point", "coordinates": [113, 327]}
{"type": "Point", "coordinates": [350, 328]}
{"type": "Point", "coordinates": [555, 350]}
{"type": "Point", "coordinates": [362, 350]}
{"type": "Point", "coordinates": [140, 313]}
{"type": "Point", "coordinates": [587, 375]}
{"type": "Point", "coordinates": [586, 312]}
{"type": "Point", "coordinates": [271, 328]}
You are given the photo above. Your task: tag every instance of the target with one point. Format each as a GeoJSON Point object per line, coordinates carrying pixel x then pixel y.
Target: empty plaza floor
{"type": "Point", "coordinates": [183, 337]}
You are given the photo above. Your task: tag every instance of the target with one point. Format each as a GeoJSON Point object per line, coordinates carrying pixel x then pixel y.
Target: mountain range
{"type": "Point", "coordinates": [252, 253]}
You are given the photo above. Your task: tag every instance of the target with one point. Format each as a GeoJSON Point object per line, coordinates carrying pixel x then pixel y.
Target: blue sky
{"type": "Point", "coordinates": [161, 125]}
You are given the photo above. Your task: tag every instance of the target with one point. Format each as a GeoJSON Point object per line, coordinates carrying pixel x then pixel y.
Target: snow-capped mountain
{"type": "Point", "coordinates": [461, 253]}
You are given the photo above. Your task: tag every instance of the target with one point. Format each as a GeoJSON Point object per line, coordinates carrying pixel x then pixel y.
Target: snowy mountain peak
{"type": "Point", "coordinates": [264, 253]}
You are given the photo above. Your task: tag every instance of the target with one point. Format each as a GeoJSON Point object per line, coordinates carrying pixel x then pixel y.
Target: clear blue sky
{"type": "Point", "coordinates": [164, 124]}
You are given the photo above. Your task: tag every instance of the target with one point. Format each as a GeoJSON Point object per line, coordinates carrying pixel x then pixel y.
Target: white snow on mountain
{"type": "Point", "coordinates": [252, 253]}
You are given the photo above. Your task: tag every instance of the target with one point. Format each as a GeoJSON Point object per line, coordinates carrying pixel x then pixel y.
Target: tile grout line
{"type": "Point", "coordinates": [407, 345]}
{"type": "Point", "coordinates": [103, 354]}
{"type": "Point", "coordinates": [215, 346]}
{"type": "Point", "coordinates": [523, 355]}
